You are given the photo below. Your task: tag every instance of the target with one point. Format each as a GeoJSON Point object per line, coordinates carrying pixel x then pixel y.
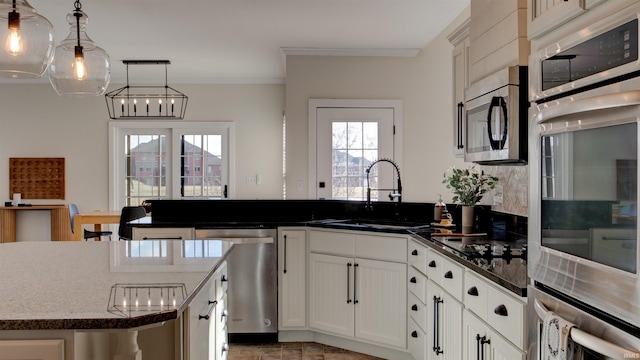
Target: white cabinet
{"type": "Point", "coordinates": [49, 349]}
{"type": "Point", "coordinates": [158, 233]}
{"type": "Point", "coordinates": [292, 276]}
{"type": "Point", "coordinates": [206, 328]}
{"type": "Point", "coordinates": [482, 342]}
{"type": "Point", "coordinates": [459, 38]}
{"type": "Point", "coordinates": [359, 290]}
{"type": "Point", "coordinates": [445, 320]}
{"type": "Point", "coordinates": [498, 35]}
{"type": "Point", "coordinates": [503, 311]}
{"type": "Point", "coordinates": [546, 15]}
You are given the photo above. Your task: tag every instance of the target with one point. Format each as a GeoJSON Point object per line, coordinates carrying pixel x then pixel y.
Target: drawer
{"type": "Point", "coordinates": [386, 248]}
{"type": "Point", "coordinates": [452, 278]}
{"type": "Point", "coordinates": [417, 343]}
{"type": "Point", "coordinates": [434, 265]}
{"type": "Point", "coordinates": [506, 315]}
{"type": "Point", "coordinates": [417, 284]}
{"type": "Point", "coordinates": [222, 281]}
{"type": "Point", "coordinates": [418, 311]}
{"type": "Point", "coordinates": [417, 256]}
{"type": "Point", "coordinates": [330, 242]}
{"type": "Point", "coordinates": [476, 294]}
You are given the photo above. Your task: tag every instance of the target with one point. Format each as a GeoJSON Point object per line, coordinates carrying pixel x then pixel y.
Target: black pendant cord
{"type": "Point", "coordinates": [78, 14]}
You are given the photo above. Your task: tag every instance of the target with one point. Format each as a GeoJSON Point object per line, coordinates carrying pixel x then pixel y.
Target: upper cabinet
{"type": "Point", "coordinates": [545, 15]}
{"type": "Point", "coordinates": [459, 38]}
{"type": "Point", "coordinates": [498, 36]}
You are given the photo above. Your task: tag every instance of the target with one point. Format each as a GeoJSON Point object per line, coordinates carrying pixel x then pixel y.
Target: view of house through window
{"type": "Point", "coordinates": [178, 161]}
{"type": "Point", "coordinates": [146, 163]}
{"type": "Point", "coordinates": [354, 147]}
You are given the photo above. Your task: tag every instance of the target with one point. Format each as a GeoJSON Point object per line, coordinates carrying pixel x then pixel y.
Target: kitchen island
{"type": "Point", "coordinates": [73, 292]}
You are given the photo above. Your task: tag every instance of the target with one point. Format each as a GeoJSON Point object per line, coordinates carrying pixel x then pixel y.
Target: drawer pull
{"type": "Point", "coordinates": [448, 275]}
{"type": "Point", "coordinates": [501, 310]}
{"type": "Point", "coordinates": [414, 334]}
{"type": "Point", "coordinates": [224, 278]}
{"type": "Point", "coordinates": [473, 291]}
{"type": "Point", "coordinates": [414, 307]}
{"type": "Point", "coordinates": [413, 280]}
{"type": "Point", "coordinates": [208, 315]}
{"type": "Point", "coordinates": [414, 252]}
{"type": "Point", "coordinates": [432, 263]}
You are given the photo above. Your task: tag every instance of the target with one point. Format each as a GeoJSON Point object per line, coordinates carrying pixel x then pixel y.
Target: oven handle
{"type": "Point", "coordinates": [587, 340]}
{"type": "Point", "coordinates": [600, 102]}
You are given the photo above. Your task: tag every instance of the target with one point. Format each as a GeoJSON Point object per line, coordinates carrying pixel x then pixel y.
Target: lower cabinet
{"type": "Point", "coordinates": [445, 320]}
{"type": "Point", "coordinates": [358, 298]}
{"type": "Point", "coordinates": [292, 279]}
{"type": "Point", "coordinates": [482, 342]}
{"type": "Point", "coordinates": [206, 328]}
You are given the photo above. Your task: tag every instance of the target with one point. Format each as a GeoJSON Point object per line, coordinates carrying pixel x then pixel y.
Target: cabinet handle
{"type": "Point", "coordinates": [285, 254]}
{"type": "Point", "coordinates": [413, 280]}
{"type": "Point", "coordinates": [432, 263]}
{"type": "Point", "coordinates": [414, 252]}
{"type": "Point", "coordinates": [348, 283]}
{"type": "Point", "coordinates": [448, 275]}
{"type": "Point", "coordinates": [414, 307]}
{"type": "Point", "coordinates": [355, 282]}
{"type": "Point", "coordinates": [224, 278]}
{"type": "Point", "coordinates": [473, 291]}
{"type": "Point", "coordinates": [208, 316]}
{"type": "Point", "coordinates": [480, 341]}
{"type": "Point", "coordinates": [501, 310]}
{"type": "Point", "coordinates": [436, 324]}
{"type": "Point", "coordinates": [460, 112]}
{"type": "Point", "coordinates": [162, 238]}
{"type": "Point", "coordinates": [414, 334]}
{"type": "Point", "coordinates": [225, 347]}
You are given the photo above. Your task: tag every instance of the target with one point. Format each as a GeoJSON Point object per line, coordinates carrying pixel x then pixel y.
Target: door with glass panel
{"type": "Point", "coordinates": [348, 141]}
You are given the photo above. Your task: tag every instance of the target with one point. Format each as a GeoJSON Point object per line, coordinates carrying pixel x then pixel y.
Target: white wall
{"type": "Point", "coordinates": [36, 122]}
{"type": "Point", "coordinates": [424, 83]}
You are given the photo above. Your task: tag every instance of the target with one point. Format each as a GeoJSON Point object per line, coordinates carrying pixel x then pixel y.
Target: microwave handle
{"type": "Point", "coordinates": [497, 102]}
{"type": "Point", "coordinates": [460, 114]}
{"type": "Point", "coordinates": [587, 340]}
{"type": "Point", "coordinates": [600, 102]}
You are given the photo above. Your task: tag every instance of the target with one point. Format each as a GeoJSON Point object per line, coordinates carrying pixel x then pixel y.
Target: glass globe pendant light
{"type": "Point", "coordinates": [79, 67]}
{"type": "Point", "coordinates": [27, 39]}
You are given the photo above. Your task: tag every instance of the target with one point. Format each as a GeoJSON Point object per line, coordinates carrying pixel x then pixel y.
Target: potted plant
{"type": "Point", "coordinates": [468, 187]}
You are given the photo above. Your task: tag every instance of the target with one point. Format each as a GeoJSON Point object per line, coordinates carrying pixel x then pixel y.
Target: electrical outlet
{"type": "Point", "coordinates": [498, 195]}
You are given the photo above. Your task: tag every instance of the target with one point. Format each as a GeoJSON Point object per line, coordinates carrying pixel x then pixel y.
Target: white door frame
{"type": "Point", "coordinates": [314, 104]}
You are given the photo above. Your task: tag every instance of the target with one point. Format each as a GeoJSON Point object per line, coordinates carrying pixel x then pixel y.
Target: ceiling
{"type": "Point", "coordinates": [242, 41]}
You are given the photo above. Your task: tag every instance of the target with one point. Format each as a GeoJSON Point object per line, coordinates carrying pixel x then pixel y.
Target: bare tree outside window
{"type": "Point", "coordinates": [354, 147]}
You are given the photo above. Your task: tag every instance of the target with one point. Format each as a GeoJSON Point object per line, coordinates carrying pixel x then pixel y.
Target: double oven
{"type": "Point", "coordinates": [584, 257]}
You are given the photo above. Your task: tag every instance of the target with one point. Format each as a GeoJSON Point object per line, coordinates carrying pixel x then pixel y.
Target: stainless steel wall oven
{"type": "Point", "coordinates": [584, 302]}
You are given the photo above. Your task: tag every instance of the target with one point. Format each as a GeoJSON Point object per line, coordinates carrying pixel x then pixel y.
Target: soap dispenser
{"type": "Point", "coordinates": [438, 209]}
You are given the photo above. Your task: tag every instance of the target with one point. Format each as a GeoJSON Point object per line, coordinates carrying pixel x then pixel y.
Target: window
{"type": "Point", "coordinates": [164, 160]}
{"type": "Point", "coordinates": [345, 137]}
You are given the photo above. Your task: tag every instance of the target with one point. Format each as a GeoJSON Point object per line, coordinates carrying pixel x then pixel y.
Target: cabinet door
{"type": "Point", "coordinates": [444, 319]}
{"type": "Point", "coordinates": [202, 324]}
{"type": "Point", "coordinates": [380, 302]}
{"type": "Point", "coordinates": [330, 295]}
{"type": "Point", "coordinates": [292, 310]}
{"type": "Point", "coordinates": [545, 15]}
{"type": "Point", "coordinates": [474, 337]}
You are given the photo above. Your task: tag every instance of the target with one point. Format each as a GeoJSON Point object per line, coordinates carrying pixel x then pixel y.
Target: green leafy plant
{"type": "Point", "coordinates": [468, 185]}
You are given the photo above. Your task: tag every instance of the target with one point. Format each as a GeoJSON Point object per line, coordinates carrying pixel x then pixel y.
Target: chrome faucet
{"type": "Point", "coordinates": [396, 194]}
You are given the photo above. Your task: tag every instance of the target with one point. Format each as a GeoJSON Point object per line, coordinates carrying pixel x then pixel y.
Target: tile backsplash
{"type": "Point", "coordinates": [512, 187]}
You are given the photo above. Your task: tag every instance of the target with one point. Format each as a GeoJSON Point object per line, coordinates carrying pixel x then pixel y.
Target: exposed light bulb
{"type": "Point", "coordinates": [14, 44]}
{"type": "Point", "coordinates": [79, 70]}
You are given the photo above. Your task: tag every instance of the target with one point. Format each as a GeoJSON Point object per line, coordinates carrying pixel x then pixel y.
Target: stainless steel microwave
{"type": "Point", "coordinates": [496, 118]}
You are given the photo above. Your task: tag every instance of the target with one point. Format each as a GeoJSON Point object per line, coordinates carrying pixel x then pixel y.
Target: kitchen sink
{"type": "Point", "coordinates": [375, 224]}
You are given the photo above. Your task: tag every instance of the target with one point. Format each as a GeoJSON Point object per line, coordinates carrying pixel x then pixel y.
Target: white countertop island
{"type": "Point", "coordinates": [75, 286]}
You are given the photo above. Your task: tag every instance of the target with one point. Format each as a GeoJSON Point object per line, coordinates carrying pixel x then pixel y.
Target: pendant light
{"type": "Point", "coordinates": [27, 39]}
{"type": "Point", "coordinates": [79, 68]}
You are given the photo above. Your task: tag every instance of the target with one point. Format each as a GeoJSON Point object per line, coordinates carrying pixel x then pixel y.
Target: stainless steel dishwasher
{"type": "Point", "coordinates": [252, 296]}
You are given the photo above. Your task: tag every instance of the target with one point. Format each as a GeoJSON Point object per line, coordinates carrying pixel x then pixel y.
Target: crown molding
{"type": "Point", "coordinates": [348, 52]}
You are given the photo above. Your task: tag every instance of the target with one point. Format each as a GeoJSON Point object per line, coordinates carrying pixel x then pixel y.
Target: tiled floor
{"type": "Point", "coordinates": [292, 351]}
